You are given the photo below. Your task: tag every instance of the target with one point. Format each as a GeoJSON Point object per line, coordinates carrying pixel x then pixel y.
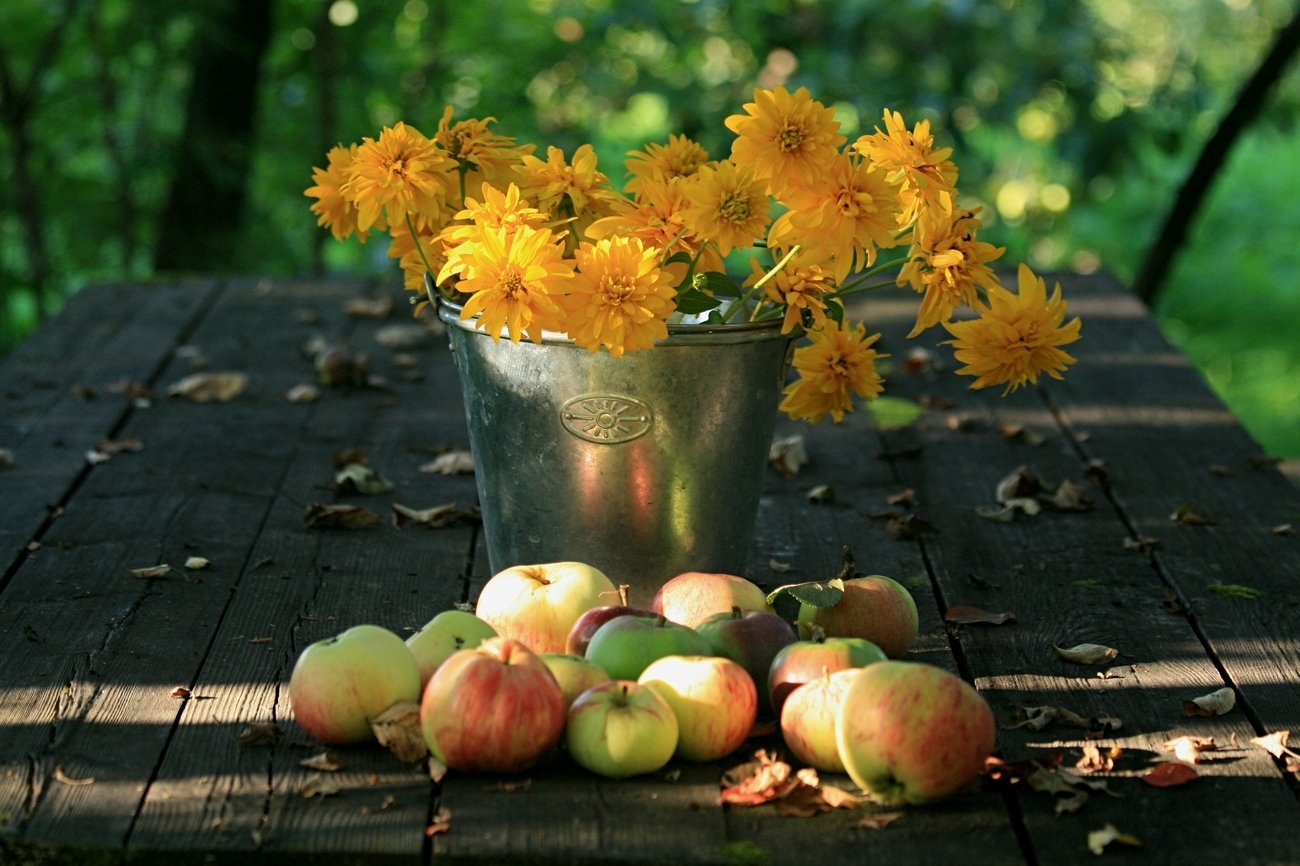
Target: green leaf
{"type": "Point", "coordinates": [720, 284]}
{"type": "Point", "coordinates": [890, 413]}
{"type": "Point", "coordinates": [1233, 590]}
{"type": "Point", "coordinates": [825, 593]}
{"type": "Point", "coordinates": [693, 301]}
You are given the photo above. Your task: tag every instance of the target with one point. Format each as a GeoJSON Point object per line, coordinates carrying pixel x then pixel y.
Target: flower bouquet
{"type": "Point", "coordinates": [785, 228]}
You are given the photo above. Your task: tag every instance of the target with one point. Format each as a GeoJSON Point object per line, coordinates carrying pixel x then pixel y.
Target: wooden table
{"type": "Point", "coordinates": [102, 754]}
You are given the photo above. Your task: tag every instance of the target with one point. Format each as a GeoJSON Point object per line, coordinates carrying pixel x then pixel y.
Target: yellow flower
{"type": "Point", "coordinates": [657, 217]}
{"type": "Point", "coordinates": [800, 287]}
{"type": "Point", "coordinates": [402, 173]}
{"type": "Point", "coordinates": [1017, 337]}
{"type": "Point", "coordinates": [680, 157]}
{"type": "Point", "coordinates": [513, 280]}
{"type": "Point", "coordinates": [487, 156]}
{"type": "Point", "coordinates": [949, 264]}
{"type": "Point", "coordinates": [498, 210]}
{"type": "Point", "coordinates": [924, 176]}
{"type": "Point", "coordinates": [847, 214]}
{"type": "Point", "coordinates": [332, 209]}
{"type": "Point", "coordinates": [839, 363]}
{"type": "Point", "coordinates": [784, 137]}
{"type": "Point", "coordinates": [619, 298]}
{"type": "Point", "coordinates": [726, 205]}
{"type": "Point", "coordinates": [568, 189]}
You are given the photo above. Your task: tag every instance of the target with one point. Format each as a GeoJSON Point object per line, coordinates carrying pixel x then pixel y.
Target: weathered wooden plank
{"type": "Point", "coordinates": [1069, 580]}
{"type": "Point", "coordinates": [57, 393]}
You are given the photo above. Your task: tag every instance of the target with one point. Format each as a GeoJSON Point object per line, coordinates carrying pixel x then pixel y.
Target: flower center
{"type": "Point", "coordinates": [618, 289]}
{"type": "Point", "coordinates": [790, 138]}
{"type": "Point", "coordinates": [511, 283]}
{"type": "Point", "coordinates": [734, 209]}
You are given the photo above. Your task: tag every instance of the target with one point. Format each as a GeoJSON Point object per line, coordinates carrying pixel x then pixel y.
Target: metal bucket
{"type": "Point", "coordinates": [644, 466]}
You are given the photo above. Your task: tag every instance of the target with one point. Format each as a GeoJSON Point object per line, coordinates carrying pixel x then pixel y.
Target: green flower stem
{"type": "Point", "coordinates": [419, 247]}
{"type": "Point", "coordinates": [762, 281]}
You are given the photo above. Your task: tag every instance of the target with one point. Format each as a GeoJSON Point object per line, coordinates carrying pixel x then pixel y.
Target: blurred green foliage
{"type": "Point", "coordinates": [1073, 123]}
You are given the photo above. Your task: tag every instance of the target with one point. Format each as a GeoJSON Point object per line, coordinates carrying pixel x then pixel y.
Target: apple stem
{"type": "Point", "coordinates": [623, 695]}
{"type": "Point", "coordinates": [736, 612]}
{"type": "Point", "coordinates": [622, 593]}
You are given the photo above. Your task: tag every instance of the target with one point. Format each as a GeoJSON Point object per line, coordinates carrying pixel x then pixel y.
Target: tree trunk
{"type": "Point", "coordinates": [201, 223]}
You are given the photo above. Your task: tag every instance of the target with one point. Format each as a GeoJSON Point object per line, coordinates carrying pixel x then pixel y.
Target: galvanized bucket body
{"type": "Point", "coordinates": [644, 466]}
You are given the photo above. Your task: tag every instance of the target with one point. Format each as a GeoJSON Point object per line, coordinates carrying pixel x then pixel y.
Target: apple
{"type": "Point", "coordinates": [713, 698]}
{"type": "Point", "coordinates": [575, 674]}
{"type": "Point", "coordinates": [625, 645]}
{"type": "Point", "coordinates": [585, 627]}
{"type": "Point", "coordinates": [694, 596]}
{"type": "Point", "coordinates": [910, 732]}
{"type": "Point", "coordinates": [339, 684]}
{"type": "Point", "coordinates": [752, 639]}
{"type": "Point", "coordinates": [809, 716]}
{"type": "Point", "coordinates": [806, 660]}
{"type": "Point", "coordinates": [441, 636]}
{"type": "Point", "coordinates": [874, 607]}
{"type": "Point", "coordinates": [621, 728]}
{"type": "Point", "coordinates": [494, 708]}
{"type": "Point", "coordinates": [537, 605]}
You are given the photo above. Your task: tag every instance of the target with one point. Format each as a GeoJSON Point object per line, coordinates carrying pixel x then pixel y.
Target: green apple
{"type": "Point", "coordinates": [913, 733]}
{"type": "Point", "coordinates": [806, 660]}
{"type": "Point", "coordinates": [441, 636]}
{"type": "Point", "coordinates": [874, 607]}
{"type": "Point", "coordinates": [621, 728]}
{"type": "Point", "coordinates": [714, 700]}
{"type": "Point", "coordinates": [624, 645]}
{"type": "Point", "coordinates": [339, 684]}
{"type": "Point", "coordinates": [809, 716]}
{"type": "Point", "coordinates": [495, 708]}
{"type": "Point", "coordinates": [694, 596]}
{"type": "Point", "coordinates": [537, 605]}
{"type": "Point", "coordinates": [574, 673]}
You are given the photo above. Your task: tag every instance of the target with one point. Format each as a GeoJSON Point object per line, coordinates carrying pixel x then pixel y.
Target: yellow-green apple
{"type": "Point", "coordinates": [910, 732]}
{"type": "Point", "coordinates": [537, 605]}
{"type": "Point", "coordinates": [575, 674]}
{"type": "Point", "coordinates": [582, 631]}
{"type": "Point", "coordinates": [626, 644]}
{"type": "Point", "coordinates": [874, 607]}
{"type": "Point", "coordinates": [713, 698]}
{"type": "Point", "coordinates": [494, 708]}
{"type": "Point", "coordinates": [809, 716]}
{"type": "Point", "coordinates": [621, 728]}
{"type": "Point", "coordinates": [441, 636]}
{"type": "Point", "coordinates": [752, 639]}
{"type": "Point", "coordinates": [339, 684]}
{"type": "Point", "coordinates": [806, 660]}
{"type": "Point", "coordinates": [694, 596]}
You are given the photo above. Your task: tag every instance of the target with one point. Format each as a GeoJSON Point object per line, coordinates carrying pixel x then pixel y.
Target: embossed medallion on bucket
{"type": "Point", "coordinates": [606, 418]}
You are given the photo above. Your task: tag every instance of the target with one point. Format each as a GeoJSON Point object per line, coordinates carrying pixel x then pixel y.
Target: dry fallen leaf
{"type": "Point", "coordinates": [1274, 743]}
{"type": "Point", "coordinates": [1094, 760]}
{"type": "Point", "coordinates": [180, 693]}
{"type": "Point", "coordinates": [1169, 774]}
{"type": "Point", "coordinates": [1005, 512]}
{"type": "Point", "coordinates": [437, 517]}
{"type": "Point", "coordinates": [401, 336]}
{"type": "Point", "coordinates": [441, 822]}
{"type": "Point", "coordinates": [195, 563]}
{"type": "Point", "coordinates": [320, 786]}
{"type": "Point", "coordinates": [302, 393]}
{"type": "Point", "coordinates": [788, 454]}
{"type": "Point", "coordinates": [398, 729]}
{"type": "Point", "coordinates": [879, 820]}
{"type": "Point", "coordinates": [358, 478]}
{"type": "Point", "coordinates": [65, 779]}
{"type": "Point", "coordinates": [1143, 543]}
{"type": "Point", "coordinates": [778, 566]}
{"type": "Point", "coordinates": [1185, 513]}
{"type": "Point", "coordinates": [326, 762]}
{"type": "Point", "coordinates": [1099, 839]}
{"type": "Point", "coordinates": [340, 517]}
{"type": "Point", "coordinates": [909, 527]}
{"type": "Point", "coordinates": [1071, 803]}
{"type": "Point", "coordinates": [1216, 703]}
{"type": "Point", "coordinates": [1068, 496]}
{"type": "Point", "coordinates": [451, 463]}
{"type": "Point", "coordinates": [1281, 529]}
{"type": "Point", "coordinates": [822, 494]}
{"type": "Point", "coordinates": [1087, 653]}
{"type": "Point", "coordinates": [120, 446]}
{"type": "Point", "coordinates": [1188, 749]}
{"type": "Point", "coordinates": [152, 571]}
{"type": "Point", "coordinates": [758, 781]}
{"type": "Point", "coordinates": [964, 614]}
{"type": "Point", "coordinates": [437, 769]}
{"type": "Point", "coordinates": [1021, 433]}
{"type": "Point", "coordinates": [369, 308]}
{"type": "Point", "coordinates": [259, 734]}
{"type": "Point", "coordinates": [1019, 483]}
{"type": "Point", "coordinates": [209, 387]}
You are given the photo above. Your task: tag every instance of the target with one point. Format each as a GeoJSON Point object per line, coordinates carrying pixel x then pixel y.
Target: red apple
{"type": "Point", "coordinates": [495, 708]}
{"type": "Point", "coordinates": [339, 684]}
{"type": "Point", "coordinates": [626, 644]}
{"type": "Point", "coordinates": [585, 627]}
{"type": "Point", "coordinates": [621, 728]}
{"type": "Point", "coordinates": [694, 596]}
{"type": "Point", "coordinates": [809, 716]}
{"type": "Point", "coordinates": [913, 733]}
{"type": "Point", "coordinates": [575, 674]}
{"type": "Point", "coordinates": [752, 639]}
{"type": "Point", "coordinates": [713, 698]}
{"type": "Point", "coordinates": [806, 660]}
{"type": "Point", "coordinates": [537, 605]}
{"type": "Point", "coordinates": [874, 607]}
{"type": "Point", "coordinates": [441, 636]}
